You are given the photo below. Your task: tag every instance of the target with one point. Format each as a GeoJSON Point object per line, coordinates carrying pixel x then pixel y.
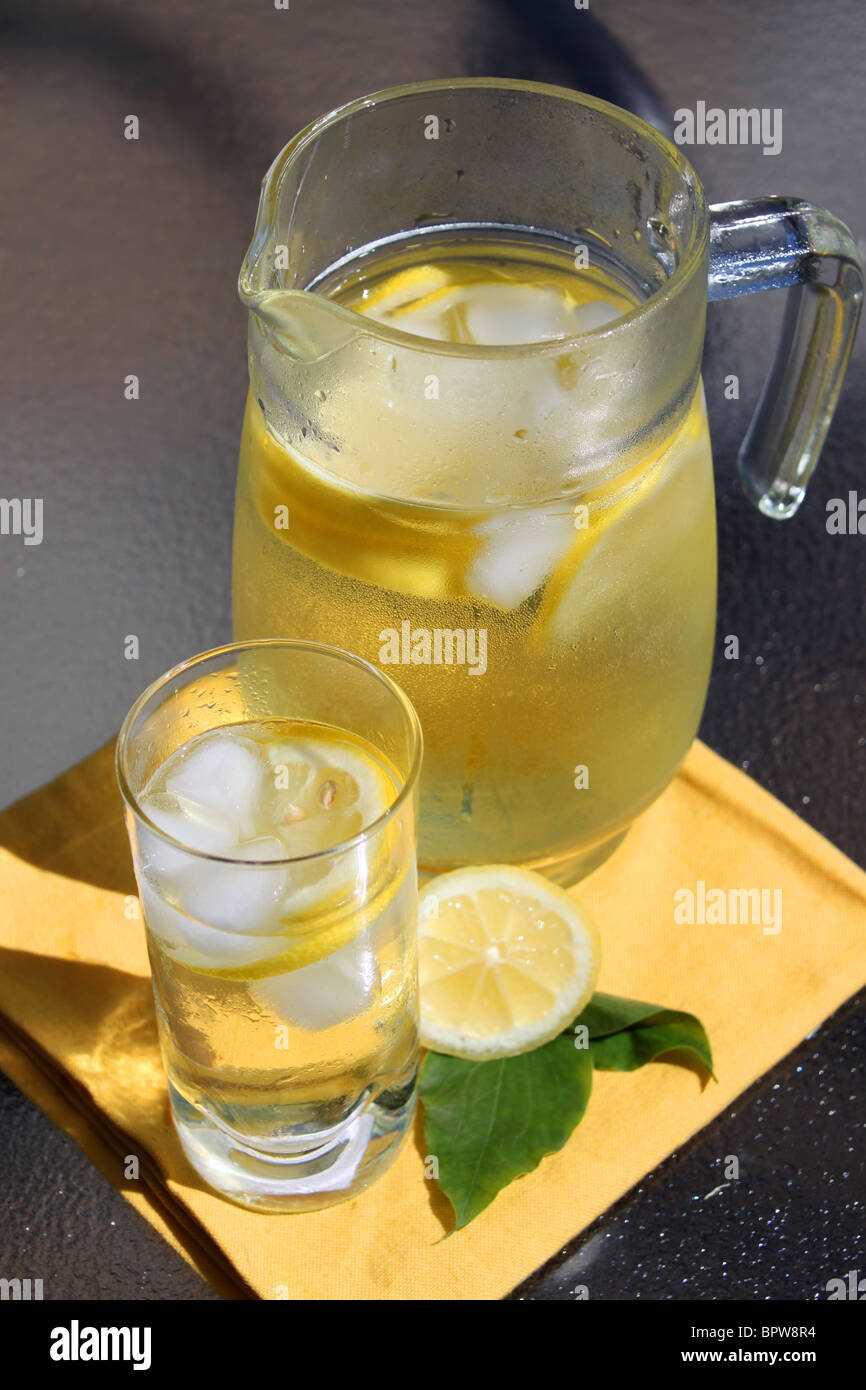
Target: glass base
{"type": "Point", "coordinates": [565, 870]}
{"type": "Point", "coordinates": [316, 1170]}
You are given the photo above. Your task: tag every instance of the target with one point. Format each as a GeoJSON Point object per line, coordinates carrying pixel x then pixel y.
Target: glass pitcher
{"type": "Point", "coordinates": [475, 449]}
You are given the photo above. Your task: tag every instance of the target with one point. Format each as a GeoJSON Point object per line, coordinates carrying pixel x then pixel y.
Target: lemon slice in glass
{"type": "Point", "coordinates": [506, 961]}
{"type": "Point", "coordinates": [327, 791]}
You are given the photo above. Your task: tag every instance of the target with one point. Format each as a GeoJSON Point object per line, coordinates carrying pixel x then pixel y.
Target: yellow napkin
{"type": "Point", "coordinates": [77, 1032]}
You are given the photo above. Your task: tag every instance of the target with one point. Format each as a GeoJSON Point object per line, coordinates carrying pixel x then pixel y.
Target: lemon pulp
{"type": "Point", "coordinates": [506, 961]}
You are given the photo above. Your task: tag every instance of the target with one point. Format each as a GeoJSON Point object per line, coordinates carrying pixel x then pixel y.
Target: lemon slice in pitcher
{"type": "Point", "coordinates": [591, 567]}
{"type": "Point", "coordinates": [398, 545]}
{"type": "Point", "coordinates": [506, 961]}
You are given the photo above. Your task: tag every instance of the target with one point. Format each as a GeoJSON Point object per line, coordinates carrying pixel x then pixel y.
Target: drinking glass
{"type": "Point", "coordinates": [285, 984]}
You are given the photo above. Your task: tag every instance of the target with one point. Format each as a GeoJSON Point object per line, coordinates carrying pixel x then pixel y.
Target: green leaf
{"type": "Point", "coordinates": [608, 1013]}
{"type": "Point", "coordinates": [487, 1123]}
{"type": "Point", "coordinates": [664, 1032]}
{"type": "Point", "coordinates": [624, 1034]}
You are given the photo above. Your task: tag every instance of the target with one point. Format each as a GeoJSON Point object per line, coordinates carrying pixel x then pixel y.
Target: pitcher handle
{"type": "Point", "coordinates": [775, 243]}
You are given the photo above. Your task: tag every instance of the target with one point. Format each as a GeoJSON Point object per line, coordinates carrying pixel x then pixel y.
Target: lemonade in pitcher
{"type": "Point", "coordinates": [548, 608]}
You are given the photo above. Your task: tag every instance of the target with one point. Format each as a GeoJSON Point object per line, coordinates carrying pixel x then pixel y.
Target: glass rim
{"type": "Point", "coordinates": [366, 832]}
{"type": "Point", "coordinates": [681, 277]}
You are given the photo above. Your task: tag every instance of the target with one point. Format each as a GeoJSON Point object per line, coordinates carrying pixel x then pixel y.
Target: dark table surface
{"type": "Point", "coordinates": [121, 257]}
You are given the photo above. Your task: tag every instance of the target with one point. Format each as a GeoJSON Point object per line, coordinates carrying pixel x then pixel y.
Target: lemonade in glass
{"type": "Point", "coordinates": [271, 812]}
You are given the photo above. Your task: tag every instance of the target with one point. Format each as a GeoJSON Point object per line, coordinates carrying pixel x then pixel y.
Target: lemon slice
{"type": "Point", "coordinates": [506, 961]}
{"type": "Point", "coordinates": [233, 956]}
{"type": "Point", "coordinates": [392, 293]}
{"type": "Point", "coordinates": [327, 934]}
{"type": "Point", "coordinates": [398, 545]}
{"type": "Point", "coordinates": [573, 581]}
{"type": "Point", "coordinates": [326, 792]}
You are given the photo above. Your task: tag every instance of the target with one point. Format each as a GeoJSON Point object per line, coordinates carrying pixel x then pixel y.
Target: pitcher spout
{"type": "Point", "coordinates": [276, 269]}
